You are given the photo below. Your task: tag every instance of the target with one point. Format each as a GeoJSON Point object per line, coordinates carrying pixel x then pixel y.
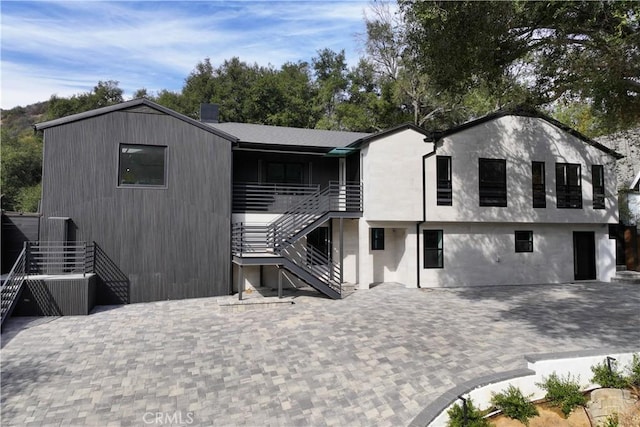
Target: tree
{"type": "Point", "coordinates": [577, 50]}
{"type": "Point", "coordinates": [105, 93]}
{"type": "Point", "coordinates": [21, 170]}
{"type": "Point", "coordinates": [330, 69]}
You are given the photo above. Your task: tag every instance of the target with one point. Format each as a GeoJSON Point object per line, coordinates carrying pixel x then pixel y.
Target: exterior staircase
{"type": "Point", "coordinates": [12, 286]}
{"type": "Point", "coordinates": [627, 276]}
{"type": "Point", "coordinates": [281, 238]}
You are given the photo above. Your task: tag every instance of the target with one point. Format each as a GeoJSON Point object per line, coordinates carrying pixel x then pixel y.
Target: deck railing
{"type": "Point", "coordinates": [59, 257]}
{"type": "Point", "coordinates": [250, 238]}
{"type": "Point", "coordinates": [265, 197]}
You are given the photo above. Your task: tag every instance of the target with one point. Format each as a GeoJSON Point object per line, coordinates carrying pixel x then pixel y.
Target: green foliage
{"type": "Point", "coordinates": [586, 51]}
{"type": "Point", "coordinates": [474, 418]}
{"type": "Point", "coordinates": [514, 405]}
{"type": "Point", "coordinates": [608, 378]}
{"type": "Point", "coordinates": [611, 421]}
{"type": "Point", "coordinates": [103, 94]}
{"type": "Point", "coordinates": [28, 198]}
{"type": "Point", "coordinates": [633, 375]}
{"type": "Point", "coordinates": [563, 392]}
{"type": "Point", "coordinates": [21, 170]}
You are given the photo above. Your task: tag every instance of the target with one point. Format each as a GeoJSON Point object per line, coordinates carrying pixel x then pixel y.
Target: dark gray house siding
{"type": "Point", "coordinates": [250, 166]}
{"type": "Point", "coordinates": [154, 243]}
{"type": "Point", "coordinates": [17, 228]}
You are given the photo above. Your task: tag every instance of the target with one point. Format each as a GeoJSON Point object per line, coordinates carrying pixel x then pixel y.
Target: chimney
{"type": "Point", "coordinates": [209, 113]}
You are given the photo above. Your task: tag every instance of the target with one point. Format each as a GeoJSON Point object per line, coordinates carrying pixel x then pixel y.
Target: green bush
{"type": "Point", "coordinates": [633, 379]}
{"type": "Point", "coordinates": [475, 417]}
{"type": "Point", "coordinates": [514, 405]}
{"type": "Point", "coordinates": [611, 421]}
{"type": "Point", "coordinates": [563, 392]}
{"type": "Point", "coordinates": [608, 378]}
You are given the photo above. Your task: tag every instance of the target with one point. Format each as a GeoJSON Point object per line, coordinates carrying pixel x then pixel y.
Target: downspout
{"type": "Point", "coordinates": [424, 205]}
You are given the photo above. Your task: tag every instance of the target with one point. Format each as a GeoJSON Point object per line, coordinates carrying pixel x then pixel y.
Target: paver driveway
{"type": "Point", "coordinates": [375, 358]}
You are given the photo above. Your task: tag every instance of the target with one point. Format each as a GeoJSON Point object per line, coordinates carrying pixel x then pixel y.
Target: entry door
{"type": "Point", "coordinates": [319, 240]}
{"type": "Point", "coordinates": [584, 255]}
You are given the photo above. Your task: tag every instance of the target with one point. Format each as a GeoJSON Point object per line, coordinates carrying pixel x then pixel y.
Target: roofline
{"type": "Point", "coordinates": [128, 104]}
{"type": "Point", "coordinates": [381, 134]}
{"type": "Point", "coordinates": [282, 147]}
{"type": "Point", "coordinates": [523, 111]}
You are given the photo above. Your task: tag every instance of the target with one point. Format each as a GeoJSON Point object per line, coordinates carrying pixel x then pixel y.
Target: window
{"type": "Point", "coordinates": [568, 185]}
{"type": "Point", "coordinates": [493, 182]}
{"type": "Point", "coordinates": [142, 165]}
{"type": "Point", "coordinates": [433, 249]}
{"type": "Point", "coordinates": [285, 173]}
{"type": "Point", "coordinates": [377, 239]}
{"type": "Point", "coordinates": [524, 241]}
{"type": "Point", "coordinates": [538, 185]}
{"type": "Point", "coordinates": [443, 172]}
{"type": "Point", "coordinates": [597, 173]}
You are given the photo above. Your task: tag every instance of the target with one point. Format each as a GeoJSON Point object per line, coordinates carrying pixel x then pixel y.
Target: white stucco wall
{"type": "Point", "coordinates": [484, 254]}
{"type": "Point", "coordinates": [396, 263]}
{"type": "Point", "coordinates": [392, 177]}
{"type": "Point", "coordinates": [350, 249]}
{"type": "Point", "coordinates": [518, 140]}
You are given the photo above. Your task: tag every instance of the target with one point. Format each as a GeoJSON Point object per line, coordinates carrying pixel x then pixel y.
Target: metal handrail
{"type": "Point", "coordinates": [250, 238]}
{"type": "Point", "coordinates": [59, 257]}
{"type": "Point", "coordinates": [11, 286]}
{"type": "Point", "coordinates": [269, 197]}
{"type": "Point", "coordinates": [334, 197]}
{"type": "Point", "coordinates": [316, 263]}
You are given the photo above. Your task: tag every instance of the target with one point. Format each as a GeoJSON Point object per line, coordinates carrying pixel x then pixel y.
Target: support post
{"type": "Point", "coordinates": [26, 257]}
{"type": "Point", "coordinates": [279, 282]}
{"type": "Point", "coordinates": [341, 250]}
{"type": "Point", "coordinates": [241, 282]}
{"type": "Point", "coordinates": [84, 263]}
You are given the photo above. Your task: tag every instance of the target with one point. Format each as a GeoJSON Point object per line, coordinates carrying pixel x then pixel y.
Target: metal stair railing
{"type": "Point", "coordinates": [315, 263]}
{"type": "Point", "coordinates": [50, 258]}
{"type": "Point", "coordinates": [335, 197]}
{"type": "Point", "coordinates": [250, 238]}
{"type": "Point", "coordinates": [12, 286]}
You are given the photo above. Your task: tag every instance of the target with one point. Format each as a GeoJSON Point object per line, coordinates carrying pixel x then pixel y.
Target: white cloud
{"type": "Point", "coordinates": [66, 48]}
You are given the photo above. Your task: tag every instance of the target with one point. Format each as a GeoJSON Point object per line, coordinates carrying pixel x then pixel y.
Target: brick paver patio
{"type": "Point", "coordinates": [374, 359]}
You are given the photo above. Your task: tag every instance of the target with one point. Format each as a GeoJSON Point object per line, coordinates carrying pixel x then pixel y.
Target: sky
{"type": "Point", "coordinates": [65, 48]}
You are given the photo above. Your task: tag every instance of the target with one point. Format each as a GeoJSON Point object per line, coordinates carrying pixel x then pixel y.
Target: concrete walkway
{"type": "Point", "coordinates": [374, 359]}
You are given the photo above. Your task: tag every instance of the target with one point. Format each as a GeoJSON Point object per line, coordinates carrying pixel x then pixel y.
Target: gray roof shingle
{"type": "Point", "coordinates": [277, 135]}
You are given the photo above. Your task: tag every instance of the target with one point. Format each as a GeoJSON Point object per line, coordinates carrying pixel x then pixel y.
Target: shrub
{"type": "Point", "coordinates": [514, 405]}
{"type": "Point", "coordinates": [608, 378]}
{"type": "Point", "coordinates": [633, 377]}
{"type": "Point", "coordinates": [611, 421]}
{"type": "Point", "coordinates": [563, 392]}
{"type": "Point", "coordinates": [475, 417]}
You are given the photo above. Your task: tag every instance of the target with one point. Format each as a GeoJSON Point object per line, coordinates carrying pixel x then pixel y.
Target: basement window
{"type": "Point", "coordinates": [524, 241]}
{"type": "Point", "coordinates": [377, 239]}
{"type": "Point", "coordinates": [142, 166]}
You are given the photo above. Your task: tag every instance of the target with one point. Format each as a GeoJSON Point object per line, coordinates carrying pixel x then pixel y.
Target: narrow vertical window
{"type": "Point", "coordinates": [597, 172]}
{"type": "Point", "coordinates": [377, 239]}
{"type": "Point", "coordinates": [538, 185]}
{"type": "Point", "coordinates": [443, 172]}
{"type": "Point", "coordinates": [524, 241]}
{"type": "Point", "coordinates": [433, 249]}
{"type": "Point", "coordinates": [492, 182]}
{"type": "Point", "coordinates": [568, 185]}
